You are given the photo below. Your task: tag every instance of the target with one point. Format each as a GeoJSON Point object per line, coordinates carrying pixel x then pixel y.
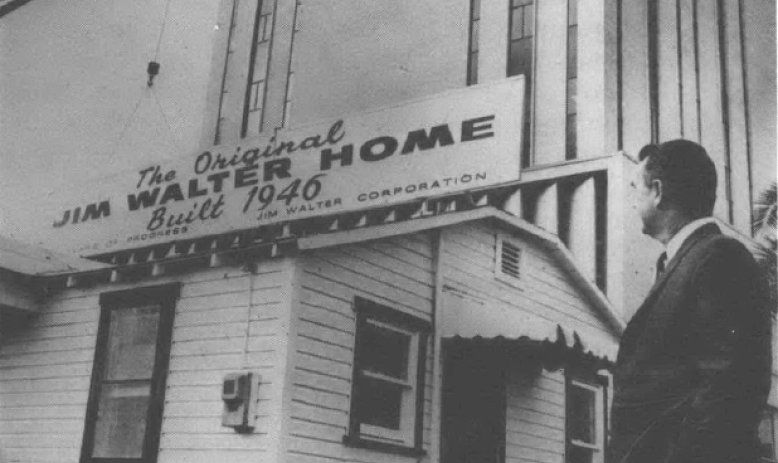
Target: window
{"type": "Point", "coordinates": [571, 151]}
{"type": "Point", "coordinates": [254, 105]}
{"type": "Point", "coordinates": [472, 52]}
{"type": "Point", "coordinates": [768, 429]}
{"type": "Point", "coordinates": [521, 30]}
{"type": "Point", "coordinates": [388, 380]}
{"type": "Point", "coordinates": [585, 429]}
{"type": "Point", "coordinates": [653, 67]}
{"type": "Point", "coordinates": [124, 412]}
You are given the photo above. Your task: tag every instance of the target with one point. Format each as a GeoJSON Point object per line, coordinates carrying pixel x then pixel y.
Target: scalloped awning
{"type": "Point", "coordinates": [466, 320]}
{"type": "Point", "coordinates": [552, 354]}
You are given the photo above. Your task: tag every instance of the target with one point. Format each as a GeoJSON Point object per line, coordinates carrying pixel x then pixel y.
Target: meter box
{"type": "Point", "coordinates": [239, 394]}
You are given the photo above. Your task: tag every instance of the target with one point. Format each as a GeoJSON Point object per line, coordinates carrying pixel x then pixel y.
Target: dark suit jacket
{"type": "Point", "coordinates": [694, 364]}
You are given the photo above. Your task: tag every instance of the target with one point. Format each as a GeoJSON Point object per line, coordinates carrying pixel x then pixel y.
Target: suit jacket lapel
{"type": "Point", "coordinates": [642, 312]}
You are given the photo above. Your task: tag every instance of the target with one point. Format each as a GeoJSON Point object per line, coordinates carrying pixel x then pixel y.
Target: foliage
{"type": "Point", "coordinates": [764, 230]}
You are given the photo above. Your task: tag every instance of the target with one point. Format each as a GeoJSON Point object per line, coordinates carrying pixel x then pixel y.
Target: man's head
{"type": "Point", "coordinates": [676, 181]}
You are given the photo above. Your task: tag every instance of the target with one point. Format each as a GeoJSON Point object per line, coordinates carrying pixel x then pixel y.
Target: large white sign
{"type": "Point", "coordinates": [458, 140]}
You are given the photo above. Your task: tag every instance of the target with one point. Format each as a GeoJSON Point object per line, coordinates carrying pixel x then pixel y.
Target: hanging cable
{"type": "Point", "coordinates": [162, 111]}
{"type": "Point", "coordinates": [153, 68]}
{"type": "Point", "coordinates": [126, 126]}
{"type": "Point", "coordinates": [162, 30]}
{"type": "Point", "coordinates": [173, 138]}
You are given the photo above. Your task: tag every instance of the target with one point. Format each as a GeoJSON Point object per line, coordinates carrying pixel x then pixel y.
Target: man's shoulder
{"type": "Point", "coordinates": [725, 253]}
{"type": "Point", "coordinates": [721, 244]}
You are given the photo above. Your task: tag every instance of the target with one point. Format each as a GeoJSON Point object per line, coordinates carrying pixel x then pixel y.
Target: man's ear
{"type": "Point", "coordinates": [658, 190]}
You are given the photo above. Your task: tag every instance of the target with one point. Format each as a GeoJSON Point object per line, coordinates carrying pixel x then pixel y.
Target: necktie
{"type": "Point", "coordinates": [660, 265]}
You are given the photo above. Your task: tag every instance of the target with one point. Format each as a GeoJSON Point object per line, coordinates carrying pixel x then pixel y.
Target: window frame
{"type": "Point", "coordinates": [526, 154]}
{"type": "Point", "coordinates": [163, 296]}
{"type": "Point", "coordinates": [599, 386]}
{"type": "Point", "coordinates": [408, 439]}
{"type": "Point", "coordinates": [770, 414]}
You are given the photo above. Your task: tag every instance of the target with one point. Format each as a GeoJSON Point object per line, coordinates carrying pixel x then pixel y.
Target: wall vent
{"type": "Point", "coordinates": [510, 259]}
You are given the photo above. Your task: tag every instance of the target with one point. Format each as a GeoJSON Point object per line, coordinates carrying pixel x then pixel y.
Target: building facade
{"type": "Point", "coordinates": [523, 281]}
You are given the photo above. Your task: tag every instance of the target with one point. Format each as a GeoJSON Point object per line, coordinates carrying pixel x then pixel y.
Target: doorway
{"type": "Point", "coordinates": [473, 408]}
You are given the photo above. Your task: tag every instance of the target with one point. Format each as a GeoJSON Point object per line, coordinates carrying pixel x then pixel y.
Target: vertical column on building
{"type": "Point", "coordinates": [635, 105]}
{"type": "Point", "coordinates": [280, 71]}
{"type": "Point", "coordinates": [610, 91]}
{"type": "Point", "coordinates": [669, 89]}
{"type": "Point", "coordinates": [738, 135]}
{"type": "Point", "coordinates": [617, 208]}
{"type": "Point", "coordinates": [513, 204]}
{"type": "Point", "coordinates": [596, 96]}
{"type": "Point", "coordinates": [547, 209]}
{"type": "Point", "coordinates": [493, 41]}
{"type": "Point", "coordinates": [582, 237]}
{"type": "Point", "coordinates": [689, 95]}
{"type": "Point", "coordinates": [711, 117]}
{"type": "Point", "coordinates": [550, 81]}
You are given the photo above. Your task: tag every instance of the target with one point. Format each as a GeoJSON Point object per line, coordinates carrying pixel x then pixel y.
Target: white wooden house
{"type": "Point", "coordinates": [467, 335]}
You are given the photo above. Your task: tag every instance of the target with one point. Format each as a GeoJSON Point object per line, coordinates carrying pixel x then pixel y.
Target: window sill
{"type": "Point", "coordinates": [369, 444]}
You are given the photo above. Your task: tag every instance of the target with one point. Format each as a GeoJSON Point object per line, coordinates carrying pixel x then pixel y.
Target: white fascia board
{"type": "Point", "coordinates": [30, 260]}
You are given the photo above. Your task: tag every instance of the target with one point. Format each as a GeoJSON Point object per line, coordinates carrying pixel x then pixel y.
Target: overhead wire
{"type": "Point", "coordinates": [162, 29]}
{"type": "Point", "coordinates": [153, 93]}
{"type": "Point", "coordinates": [126, 126]}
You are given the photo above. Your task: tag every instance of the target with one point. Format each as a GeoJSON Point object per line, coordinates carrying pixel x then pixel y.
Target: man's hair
{"type": "Point", "coordinates": [687, 174]}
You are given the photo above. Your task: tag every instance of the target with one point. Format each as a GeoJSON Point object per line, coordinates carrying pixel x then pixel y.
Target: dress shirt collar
{"type": "Point", "coordinates": [678, 239]}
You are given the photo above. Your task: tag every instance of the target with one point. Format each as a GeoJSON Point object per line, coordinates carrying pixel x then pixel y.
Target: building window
{"type": "Point", "coordinates": [521, 30]}
{"type": "Point", "coordinates": [472, 49]}
{"type": "Point", "coordinates": [653, 67]}
{"type": "Point", "coordinates": [585, 429]}
{"type": "Point", "coordinates": [287, 114]}
{"type": "Point", "coordinates": [571, 151]}
{"type": "Point", "coordinates": [388, 379]}
{"type": "Point", "coordinates": [254, 106]}
{"type": "Point", "coordinates": [124, 412]}
{"type": "Point", "coordinates": [768, 432]}
{"type": "Point", "coordinates": [601, 230]}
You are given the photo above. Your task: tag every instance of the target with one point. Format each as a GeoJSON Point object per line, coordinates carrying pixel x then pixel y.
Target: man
{"type": "Point", "coordinates": [694, 364]}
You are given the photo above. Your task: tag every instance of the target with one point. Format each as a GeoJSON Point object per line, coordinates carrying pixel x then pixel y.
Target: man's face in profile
{"type": "Point", "coordinates": [645, 199]}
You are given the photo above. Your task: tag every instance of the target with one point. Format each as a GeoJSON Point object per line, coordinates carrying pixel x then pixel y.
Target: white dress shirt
{"type": "Point", "coordinates": [683, 234]}
{"type": "Point", "coordinates": [675, 243]}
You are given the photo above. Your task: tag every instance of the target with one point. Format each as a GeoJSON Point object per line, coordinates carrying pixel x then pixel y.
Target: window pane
{"type": "Point", "coordinates": [767, 437]}
{"type": "Point", "coordinates": [579, 455]}
{"type": "Point", "coordinates": [582, 415]}
{"type": "Point", "coordinates": [572, 52]}
{"type": "Point", "coordinates": [474, 38]}
{"type": "Point", "coordinates": [121, 420]}
{"type": "Point", "coordinates": [380, 403]}
{"type": "Point", "coordinates": [254, 118]}
{"type": "Point", "coordinates": [386, 351]}
{"type": "Point", "coordinates": [520, 59]}
{"type": "Point", "coordinates": [572, 12]}
{"type": "Point", "coordinates": [517, 23]}
{"type": "Point", "coordinates": [473, 71]}
{"type": "Point", "coordinates": [131, 343]}
{"type": "Point", "coordinates": [572, 96]}
{"type": "Point", "coordinates": [571, 137]}
{"type": "Point", "coordinates": [529, 20]}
